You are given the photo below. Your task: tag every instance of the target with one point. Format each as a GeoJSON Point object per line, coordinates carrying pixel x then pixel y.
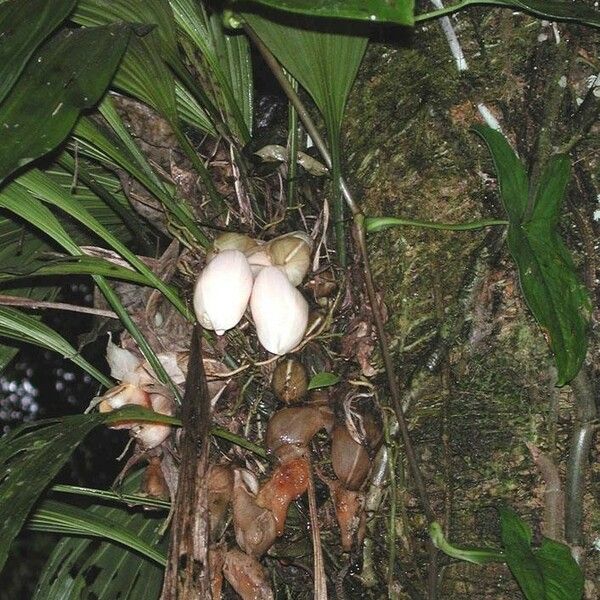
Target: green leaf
{"type": "Point", "coordinates": [24, 25]}
{"type": "Point", "coordinates": [17, 199]}
{"type": "Point", "coordinates": [321, 380]}
{"type": "Point", "coordinates": [554, 10]}
{"type": "Point", "coordinates": [227, 60]}
{"type": "Point", "coordinates": [559, 10]}
{"type": "Point", "coordinates": [104, 569]}
{"type": "Point", "coordinates": [59, 517]}
{"type": "Point", "coordinates": [76, 265]}
{"type": "Point", "coordinates": [43, 187]}
{"type": "Point", "coordinates": [91, 13]}
{"type": "Point", "coordinates": [549, 573]}
{"type": "Point", "coordinates": [479, 556]}
{"type": "Point", "coordinates": [512, 178]}
{"type": "Point", "coordinates": [33, 454]}
{"type": "Point", "coordinates": [67, 74]}
{"type": "Point", "coordinates": [20, 326]}
{"type": "Point", "coordinates": [385, 11]}
{"type": "Point", "coordinates": [325, 62]}
{"type": "Point", "coordinates": [549, 282]}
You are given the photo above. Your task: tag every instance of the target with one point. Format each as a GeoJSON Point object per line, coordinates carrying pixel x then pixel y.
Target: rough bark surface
{"type": "Point", "coordinates": [487, 390]}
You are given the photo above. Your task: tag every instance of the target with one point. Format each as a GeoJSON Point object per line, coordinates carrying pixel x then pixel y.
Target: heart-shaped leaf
{"type": "Point", "coordinates": [549, 282]}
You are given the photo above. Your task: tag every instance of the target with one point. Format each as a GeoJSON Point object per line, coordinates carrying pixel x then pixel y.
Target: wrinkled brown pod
{"type": "Point", "coordinates": [287, 483]}
{"type": "Point", "coordinates": [247, 576]}
{"type": "Point", "coordinates": [220, 490]}
{"type": "Point", "coordinates": [296, 426]}
{"type": "Point", "coordinates": [255, 526]}
{"type": "Point", "coordinates": [349, 512]}
{"type": "Point", "coordinates": [350, 460]}
{"type": "Point", "coordinates": [153, 480]}
{"type": "Point", "coordinates": [216, 562]}
{"type": "Point", "coordinates": [290, 381]}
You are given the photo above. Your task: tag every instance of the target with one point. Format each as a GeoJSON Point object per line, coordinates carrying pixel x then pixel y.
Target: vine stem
{"type": "Point", "coordinates": [359, 229]}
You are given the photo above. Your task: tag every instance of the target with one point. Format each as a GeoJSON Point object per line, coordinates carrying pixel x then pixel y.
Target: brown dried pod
{"type": "Point", "coordinates": [153, 480]}
{"type": "Point", "coordinates": [349, 459]}
{"type": "Point", "coordinates": [291, 252]}
{"type": "Point", "coordinates": [323, 286]}
{"type": "Point", "coordinates": [295, 426]}
{"type": "Point", "coordinates": [216, 562]}
{"type": "Point", "coordinates": [287, 483]}
{"type": "Point", "coordinates": [349, 512]}
{"type": "Point", "coordinates": [290, 381]}
{"type": "Point", "coordinates": [255, 526]}
{"type": "Point", "coordinates": [220, 489]}
{"type": "Point", "coordinates": [247, 576]}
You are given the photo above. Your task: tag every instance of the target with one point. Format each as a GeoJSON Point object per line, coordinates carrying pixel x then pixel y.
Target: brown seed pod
{"type": "Point", "coordinates": [220, 489]}
{"type": "Point", "coordinates": [349, 459]}
{"type": "Point", "coordinates": [290, 381]}
{"type": "Point", "coordinates": [349, 512]}
{"type": "Point", "coordinates": [295, 426]}
{"type": "Point", "coordinates": [255, 526]}
{"type": "Point", "coordinates": [247, 576]}
{"type": "Point", "coordinates": [153, 480]}
{"type": "Point", "coordinates": [287, 483]}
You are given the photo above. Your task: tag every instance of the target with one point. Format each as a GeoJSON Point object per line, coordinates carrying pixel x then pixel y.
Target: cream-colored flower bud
{"type": "Point", "coordinates": [291, 252]}
{"type": "Point", "coordinates": [150, 435]}
{"type": "Point", "coordinates": [258, 258]}
{"type": "Point", "coordinates": [122, 395]}
{"type": "Point", "coordinates": [279, 310]}
{"type": "Point", "coordinates": [222, 291]}
{"type": "Point", "coordinates": [230, 241]}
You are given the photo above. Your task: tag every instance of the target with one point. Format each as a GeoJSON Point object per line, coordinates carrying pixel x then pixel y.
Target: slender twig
{"type": "Point", "coordinates": [41, 304]}
{"type": "Point", "coordinates": [320, 581]}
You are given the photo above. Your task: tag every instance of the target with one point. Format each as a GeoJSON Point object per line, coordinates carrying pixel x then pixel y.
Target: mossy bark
{"type": "Point", "coordinates": [409, 153]}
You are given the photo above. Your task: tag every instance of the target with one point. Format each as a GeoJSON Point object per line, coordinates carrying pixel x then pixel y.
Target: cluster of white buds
{"type": "Point", "coordinates": [240, 270]}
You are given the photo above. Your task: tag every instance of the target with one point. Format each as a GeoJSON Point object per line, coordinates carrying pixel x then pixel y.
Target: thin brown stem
{"type": "Point", "coordinates": [42, 304]}
{"type": "Point", "coordinates": [320, 581]}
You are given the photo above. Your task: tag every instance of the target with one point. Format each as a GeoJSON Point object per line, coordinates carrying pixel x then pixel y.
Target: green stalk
{"type": "Point", "coordinates": [378, 223]}
{"type": "Point", "coordinates": [292, 147]}
{"type": "Point", "coordinates": [339, 225]}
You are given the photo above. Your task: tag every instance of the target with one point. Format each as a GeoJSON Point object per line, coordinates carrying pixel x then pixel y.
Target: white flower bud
{"type": "Point", "coordinates": [222, 291]}
{"type": "Point", "coordinates": [150, 435]}
{"type": "Point", "coordinates": [279, 310]}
